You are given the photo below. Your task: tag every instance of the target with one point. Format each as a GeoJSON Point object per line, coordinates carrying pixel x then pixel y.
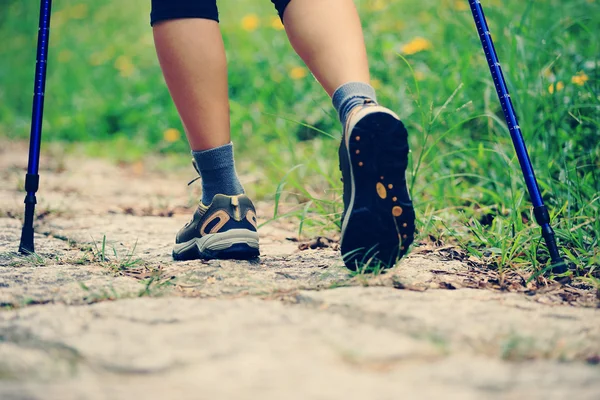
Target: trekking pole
{"type": "Point", "coordinates": [32, 178]}
{"type": "Point", "coordinates": [539, 209]}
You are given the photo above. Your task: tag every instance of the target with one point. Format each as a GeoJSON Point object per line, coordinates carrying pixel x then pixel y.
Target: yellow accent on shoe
{"type": "Point", "coordinates": [397, 211]}
{"type": "Point", "coordinates": [381, 190]}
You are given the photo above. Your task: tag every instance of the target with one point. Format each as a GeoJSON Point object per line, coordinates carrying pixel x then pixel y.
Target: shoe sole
{"type": "Point", "coordinates": [238, 244]}
{"type": "Point", "coordinates": [379, 224]}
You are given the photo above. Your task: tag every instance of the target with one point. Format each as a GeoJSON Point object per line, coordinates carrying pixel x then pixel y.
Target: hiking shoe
{"type": "Point", "coordinates": [226, 229]}
{"type": "Point", "coordinates": [378, 222]}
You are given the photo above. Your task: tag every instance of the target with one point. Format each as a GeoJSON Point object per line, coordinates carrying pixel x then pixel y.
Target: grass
{"type": "Point", "coordinates": [123, 264]}
{"type": "Point", "coordinates": [116, 263]}
{"type": "Point", "coordinates": [29, 260]}
{"type": "Point", "coordinates": [106, 97]}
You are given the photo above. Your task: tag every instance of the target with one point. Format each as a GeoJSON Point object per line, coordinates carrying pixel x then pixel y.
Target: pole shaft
{"type": "Point", "coordinates": [540, 211]}
{"type": "Point", "coordinates": [32, 178]}
{"type": "Point", "coordinates": [505, 101]}
{"type": "Point", "coordinates": [39, 88]}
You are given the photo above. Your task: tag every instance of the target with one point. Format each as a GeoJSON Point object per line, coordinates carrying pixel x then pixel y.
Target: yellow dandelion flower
{"type": "Point", "coordinates": [580, 79]}
{"type": "Point", "coordinates": [78, 11]}
{"type": "Point", "coordinates": [171, 135]}
{"type": "Point", "coordinates": [460, 5]}
{"type": "Point", "coordinates": [276, 24]}
{"type": "Point", "coordinates": [298, 73]}
{"type": "Point", "coordinates": [376, 83]}
{"type": "Point", "coordinates": [64, 56]}
{"type": "Point", "coordinates": [376, 5]}
{"type": "Point", "coordinates": [558, 87]}
{"type": "Point", "coordinates": [416, 45]}
{"type": "Point", "coordinates": [125, 66]}
{"type": "Point", "coordinates": [250, 22]}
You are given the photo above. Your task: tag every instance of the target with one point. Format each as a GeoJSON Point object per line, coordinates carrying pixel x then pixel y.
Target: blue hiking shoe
{"type": "Point", "coordinates": [226, 229]}
{"type": "Point", "coordinates": [378, 222]}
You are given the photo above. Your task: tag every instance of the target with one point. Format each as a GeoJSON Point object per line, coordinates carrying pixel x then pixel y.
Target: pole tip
{"type": "Point", "coordinates": [26, 246]}
{"type": "Point", "coordinates": [559, 266]}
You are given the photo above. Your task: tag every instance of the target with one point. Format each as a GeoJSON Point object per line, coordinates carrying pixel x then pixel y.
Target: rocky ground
{"type": "Point", "coordinates": [78, 322]}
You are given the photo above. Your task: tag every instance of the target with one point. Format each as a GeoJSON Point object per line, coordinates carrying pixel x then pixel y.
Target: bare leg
{"type": "Point", "coordinates": [192, 56]}
{"type": "Point", "coordinates": [378, 224]}
{"type": "Point", "coordinates": [327, 35]}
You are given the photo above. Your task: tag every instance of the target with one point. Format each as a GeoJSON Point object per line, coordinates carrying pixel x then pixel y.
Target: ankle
{"type": "Point", "coordinates": [350, 95]}
{"type": "Point", "coordinates": [217, 169]}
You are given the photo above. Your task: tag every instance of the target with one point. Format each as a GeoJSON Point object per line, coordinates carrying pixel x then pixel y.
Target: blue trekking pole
{"type": "Point", "coordinates": [32, 178]}
{"type": "Point", "coordinates": [539, 209]}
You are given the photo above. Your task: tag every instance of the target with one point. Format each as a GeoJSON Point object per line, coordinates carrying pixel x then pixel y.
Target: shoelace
{"type": "Point", "coordinates": [197, 170]}
{"type": "Point", "coordinates": [193, 180]}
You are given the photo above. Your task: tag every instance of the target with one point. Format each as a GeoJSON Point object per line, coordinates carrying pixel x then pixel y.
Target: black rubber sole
{"type": "Point", "coordinates": [238, 251]}
{"type": "Point", "coordinates": [380, 222]}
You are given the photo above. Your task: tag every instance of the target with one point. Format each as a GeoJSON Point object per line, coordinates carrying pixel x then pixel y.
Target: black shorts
{"type": "Point", "coordinates": [163, 10]}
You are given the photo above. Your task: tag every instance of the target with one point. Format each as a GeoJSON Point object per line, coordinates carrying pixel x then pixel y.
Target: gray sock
{"type": "Point", "coordinates": [217, 169]}
{"type": "Point", "coordinates": [349, 95]}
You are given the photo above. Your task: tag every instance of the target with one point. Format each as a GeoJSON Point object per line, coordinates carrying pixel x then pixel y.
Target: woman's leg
{"type": "Point", "coordinates": [192, 57]}
{"type": "Point", "coordinates": [378, 223]}
{"type": "Point", "coordinates": [327, 35]}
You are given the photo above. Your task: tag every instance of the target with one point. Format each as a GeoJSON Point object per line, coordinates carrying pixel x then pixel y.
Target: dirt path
{"type": "Point", "coordinates": [294, 325]}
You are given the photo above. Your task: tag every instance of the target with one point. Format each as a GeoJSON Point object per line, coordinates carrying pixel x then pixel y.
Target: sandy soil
{"type": "Point", "coordinates": [294, 324]}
